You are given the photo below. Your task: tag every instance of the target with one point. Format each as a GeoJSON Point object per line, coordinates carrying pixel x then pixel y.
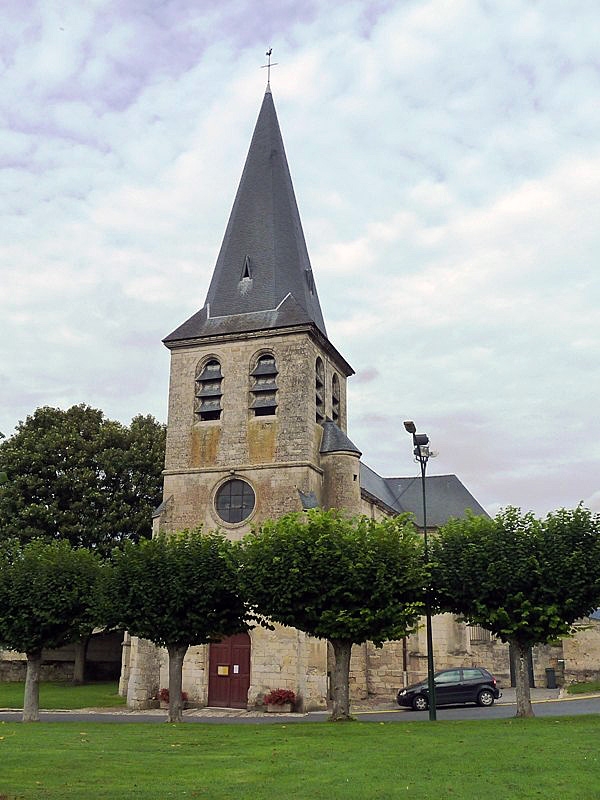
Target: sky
{"type": "Point", "coordinates": [446, 160]}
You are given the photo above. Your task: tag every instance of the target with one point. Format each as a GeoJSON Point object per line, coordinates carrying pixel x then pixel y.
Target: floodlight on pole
{"type": "Point", "coordinates": [422, 455]}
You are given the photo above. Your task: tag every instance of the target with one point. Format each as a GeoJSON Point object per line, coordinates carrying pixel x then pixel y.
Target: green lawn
{"type": "Point", "coordinates": [64, 695]}
{"type": "Point", "coordinates": [491, 759]}
{"type": "Point", "coordinates": [583, 688]}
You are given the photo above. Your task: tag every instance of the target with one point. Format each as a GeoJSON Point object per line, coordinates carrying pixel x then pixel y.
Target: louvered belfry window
{"type": "Point", "coordinates": [335, 399]}
{"type": "Point", "coordinates": [264, 387]}
{"type": "Point", "coordinates": [319, 392]}
{"type": "Point", "coordinates": [209, 392]}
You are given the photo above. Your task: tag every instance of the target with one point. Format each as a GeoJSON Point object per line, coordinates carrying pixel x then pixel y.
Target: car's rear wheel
{"type": "Point", "coordinates": [420, 703]}
{"type": "Point", "coordinates": [485, 698]}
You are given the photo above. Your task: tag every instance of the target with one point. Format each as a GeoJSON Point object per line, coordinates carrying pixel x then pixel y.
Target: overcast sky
{"type": "Point", "coordinates": [446, 161]}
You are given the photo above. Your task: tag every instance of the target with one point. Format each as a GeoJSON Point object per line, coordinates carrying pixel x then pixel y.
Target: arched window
{"type": "Point", "coordinates": [209, 392]}
{"type": "Point", "coordinates": [264, 387]}
{"type": "Point", "coordinates": [319, 391]}
{"type": "Point", "coordinates": [335, 399]}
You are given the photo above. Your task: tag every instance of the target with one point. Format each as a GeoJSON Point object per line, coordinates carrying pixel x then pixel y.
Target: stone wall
{"type": "Point", "coordinates": [283, 658]}
{"type": "Point", "coordinates": [381, 671]}
{"type": "Point", "coordinates": [103, 660]}
{"type": "Point", "coordinates": [143, 683]}
{"type": "Point", "coordinates": [14, 669]}
{"type": "Point", "coordinates": [341, 485]}
{"type": "Point", "coordinates": [277, 455]}
{"type": "Point", "coordinates": [275, 486]}
{"type": "Point", "coordinates": [239, 437]}
{"type": "Point", "coordinates": [581, 653]}
{"type": "Point", "coordinates": [286, 658]}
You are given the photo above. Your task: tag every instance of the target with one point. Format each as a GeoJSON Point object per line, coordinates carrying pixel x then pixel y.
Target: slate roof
{"type": "Point", "coordinates": [335, 440]}
{"type": "Point", "coordinates": [446, 496]}
{"type": "Point", "coordinates": [159, 509]}
{"type": "Point", "coordinates": [263, 278]}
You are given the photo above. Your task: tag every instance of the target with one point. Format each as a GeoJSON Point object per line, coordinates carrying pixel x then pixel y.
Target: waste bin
{"type": "Point", "coordinates": [550, 678]}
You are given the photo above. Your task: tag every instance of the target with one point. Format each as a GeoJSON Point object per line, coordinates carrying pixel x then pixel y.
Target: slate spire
{"type": "Point", "coordinates": [263, 277]}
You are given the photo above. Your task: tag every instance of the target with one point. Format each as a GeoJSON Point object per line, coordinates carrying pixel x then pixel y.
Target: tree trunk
{"type": "Point", "coordinates": [176, 655]}
{"type": "Point", "coordinates": [521, 656]}
{"type": "Point", "coordinates": [31, 700]}
{"type": "Point", "coordinates": [342, 649]}
{"type": "Point", "coordinates": [81, 647]}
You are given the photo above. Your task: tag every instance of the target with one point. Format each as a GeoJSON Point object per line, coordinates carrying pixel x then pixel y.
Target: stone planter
{"type": "Point", "coordinates": [279, 708]}
{"type": "Point", "coordinates": [184, 705]}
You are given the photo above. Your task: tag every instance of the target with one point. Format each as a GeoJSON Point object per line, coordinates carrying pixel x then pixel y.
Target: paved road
{"type": "Point", "coordinates": [545, 708]}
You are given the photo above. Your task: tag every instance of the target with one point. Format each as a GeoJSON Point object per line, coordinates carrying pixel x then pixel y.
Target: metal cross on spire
{"type": "Point", "coordinates": [268, 65]}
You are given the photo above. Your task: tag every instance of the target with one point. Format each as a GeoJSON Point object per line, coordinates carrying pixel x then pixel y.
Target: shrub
{"type": "Point", "coordinates": [279, 697]}
{"type": "Point", "coordinates": [163, 696]}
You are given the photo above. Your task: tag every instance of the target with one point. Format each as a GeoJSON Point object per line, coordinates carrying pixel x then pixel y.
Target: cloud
{"type": "Point", "coordinates": [446, 164]}
{"type": "Point", "coordinates": [593, 501]}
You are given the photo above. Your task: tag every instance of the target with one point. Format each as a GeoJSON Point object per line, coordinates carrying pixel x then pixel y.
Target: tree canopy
{"type": "Point", "coordinates": [345, 580]}
{"type": "Point", "coordinates": [525, 579]}
{"type": "Point", "coordinates": [47, 600]}
{"type": "Point", "coordinates": [78, 476]}
{"type": "Point", "coordinates": [3, 477]}
{"type": "Point", "coordinates": [177, 590]}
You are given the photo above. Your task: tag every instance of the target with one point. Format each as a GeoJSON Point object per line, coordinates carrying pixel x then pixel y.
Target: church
{"type": "Point", "coordinates": [257, 428]}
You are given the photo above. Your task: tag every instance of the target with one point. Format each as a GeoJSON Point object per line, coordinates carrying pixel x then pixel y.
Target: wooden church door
{"type": "Point", "coordinates": [229, 672]}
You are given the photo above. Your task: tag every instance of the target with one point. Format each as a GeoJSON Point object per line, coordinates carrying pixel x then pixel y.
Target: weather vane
{"type": "Point", "coordinates": [268, 65]}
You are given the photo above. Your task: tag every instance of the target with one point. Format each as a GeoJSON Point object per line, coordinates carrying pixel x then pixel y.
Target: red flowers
{"type": "Point", "coordinates": [163, 696]}
{"type": "Point", "coordinates": [279, 697]}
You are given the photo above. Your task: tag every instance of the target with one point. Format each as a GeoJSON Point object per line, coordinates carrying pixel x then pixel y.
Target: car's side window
{"type": "Point", "coordinates": [472, 675]}
{"type": "Point", "coordinates": [453, 676]}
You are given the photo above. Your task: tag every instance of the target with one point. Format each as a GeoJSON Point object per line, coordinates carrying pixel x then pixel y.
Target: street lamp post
{"type": "Point", "coordinates": [422, 454]}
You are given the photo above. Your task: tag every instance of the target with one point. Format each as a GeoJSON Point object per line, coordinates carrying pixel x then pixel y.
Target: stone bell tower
{"type": "Point", "coordinates": [257, 420]}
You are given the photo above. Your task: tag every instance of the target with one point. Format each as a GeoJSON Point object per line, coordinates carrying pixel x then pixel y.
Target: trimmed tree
{"type": "Point", "coordinates": [47, 599]}
{"type": "Point", "coordinates": [526, 580]}
{"type": "Point", "coordinates": [177, 590]}
{"type": "Point", "coordinates": [345, 580]}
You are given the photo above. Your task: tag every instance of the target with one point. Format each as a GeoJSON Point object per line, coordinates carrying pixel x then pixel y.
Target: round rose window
{"type": "Point", "coordinates": [235, 501]}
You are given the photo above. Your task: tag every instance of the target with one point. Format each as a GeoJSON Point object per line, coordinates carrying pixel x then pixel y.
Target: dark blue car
{"type": "Point", "coordinates": [453, 686]}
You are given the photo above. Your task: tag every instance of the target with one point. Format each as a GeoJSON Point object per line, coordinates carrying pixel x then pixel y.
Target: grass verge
{"type": "Point", "coordinates": [495, 759]}
{"type": "Point", "coordinates": [583, 688]}
{"type": "Point", "coordinates": [64, 695]}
